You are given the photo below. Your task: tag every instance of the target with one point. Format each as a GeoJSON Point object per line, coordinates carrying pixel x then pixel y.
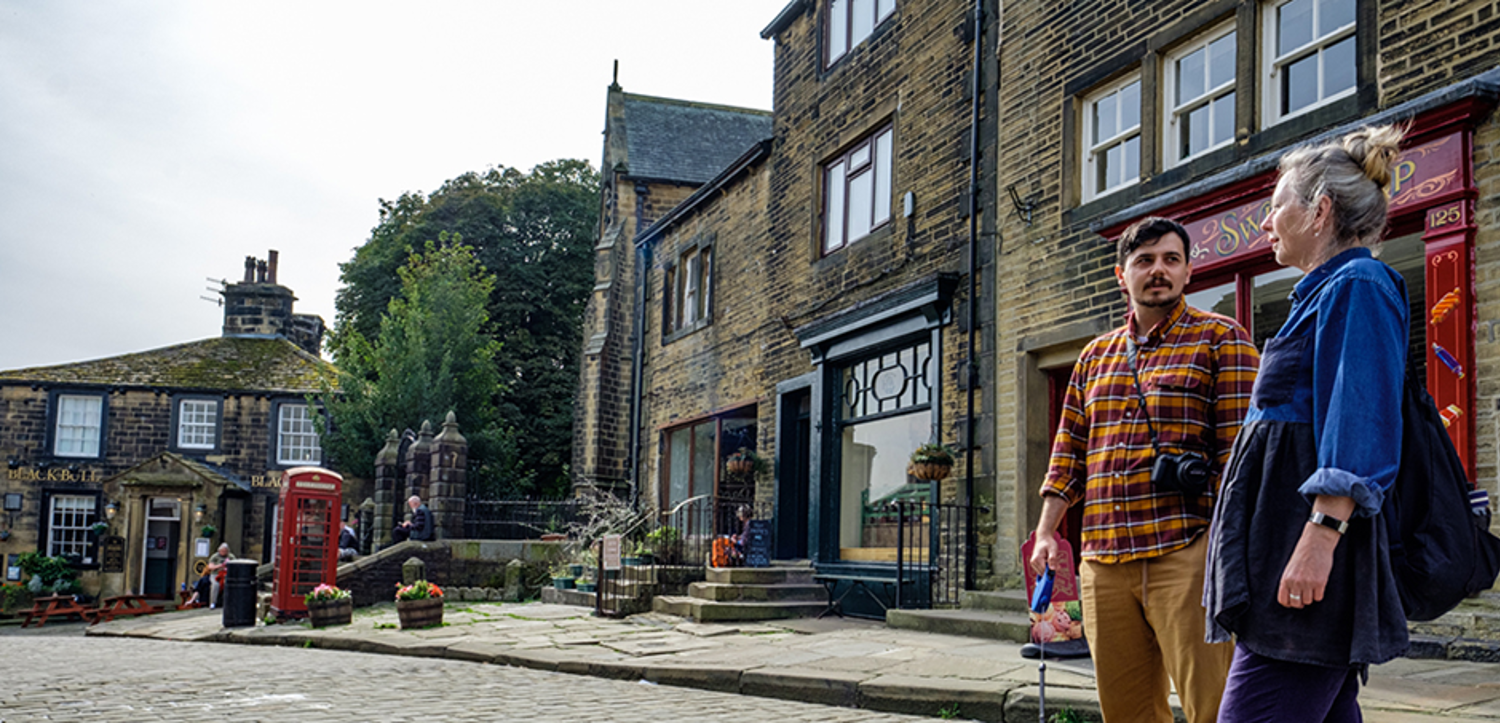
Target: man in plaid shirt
{"type": "Point", "coordinates": [1143, 549]}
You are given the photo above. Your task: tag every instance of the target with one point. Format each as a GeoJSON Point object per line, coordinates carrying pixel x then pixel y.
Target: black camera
{"type": "Point", "coordinates": [1187, 473]}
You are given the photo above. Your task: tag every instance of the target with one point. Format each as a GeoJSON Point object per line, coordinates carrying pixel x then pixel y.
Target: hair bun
{"type": "Point", "coordinates": [1374, 149]}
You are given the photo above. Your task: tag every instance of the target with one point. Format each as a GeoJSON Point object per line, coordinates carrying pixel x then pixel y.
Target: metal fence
{"type": "Point", "coordinates": [518, 519]}
{"type": "Point", "coordinates": [931, 552]}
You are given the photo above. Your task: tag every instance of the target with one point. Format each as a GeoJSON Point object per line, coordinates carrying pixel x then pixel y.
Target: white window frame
{"type": "Point", "coordinates": [199, 428]}
{"type": "Point", "coordinates": [297, 440]}
{"type": "Point", "coordinates": [1174, 112]}
{"type": "Point", "coordinates": [1273, 65]}
{"type": "Point", "coordinates": [692, 288]}
{"type": "Point", "coordinates": [851, 22]}
{"type": "Point", "coordinates": [1093, 150]}
{"type": "Point", "coordinates": [873, 157]}
{"type": "Point", "coordinates": [69, 534]}
{"type": "Point", "coordinates": [72, 430]}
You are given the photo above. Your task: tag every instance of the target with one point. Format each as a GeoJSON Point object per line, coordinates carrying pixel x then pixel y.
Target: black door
{"type": "Point", "coordinates": [794, 476]}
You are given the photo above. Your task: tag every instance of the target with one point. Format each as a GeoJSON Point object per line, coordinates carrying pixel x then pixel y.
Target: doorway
{"type": "Point", "coordinates": [794, 475]}
{"type": "Point", "coordinates": [163, 535]}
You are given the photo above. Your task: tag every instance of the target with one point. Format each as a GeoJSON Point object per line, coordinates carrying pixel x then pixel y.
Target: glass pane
{"type": "Point", "coordinates": [1223, 119]}
{"type": "Point", "coordinates": [1338, 67]}
{"type": "Point", "coordinates": [883, 163]}
{"type": "Point", "coordinates": [834, 232]}
{"type": "Point", "coordinates": [1104, 118]}
{"type": "Point", "coordinates": [838, 30]}
{"type": "Point", "coordinates": [861, 198]}
{"type": "Point", "coordinates": [1132, 168]}
{"type": "Point", "coordinates": [1294, 26]}
{"type": "Point", "coordinates": [1195, 126]}
{"type": "Point", "coordinates": [1130, 106]}
{"type": "Point", "coordinates": [1109, 163]}
{"type": "Point", "coordinates": [859, 157]}
{"type": "Point", "coordinates": [703, 458]}
{"type": "Point", "coordinates": [873, 471]}
{"type": "Point", "coordinates": [1221, 61]}
{"type": "Point", "coordinates": [1270, 298]}
{"type": "Point", "coordinates": [1190, 76]}
{"type": "Point", "coordinates": [1334, 14]}
{"type": "Point", "coordinates": [1218, 299]}
{"type": "Point", "coordinates": [680, 473]}
{"type": "Point", "coordinates": [862, 21]}
{"type": "Point", "coordinates": [1408, 256]}
{"type": "Point", "coordinates": [1299, 84]}
{"type": "Point", "coordinates": [886, 7]}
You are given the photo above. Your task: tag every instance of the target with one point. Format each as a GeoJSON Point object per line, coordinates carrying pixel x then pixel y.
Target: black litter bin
{"type": "Point", "coordinates": [239, 594]}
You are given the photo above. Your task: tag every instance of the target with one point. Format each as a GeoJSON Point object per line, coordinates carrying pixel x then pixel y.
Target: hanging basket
{"type": "Point", "coordinates": [739, 467]}
{"type": "Point", "coordinates": [420, 613]}
{"type": "Point", "coordinates": [929, 470]}
{"type": "Point", "coordinates": [332, 612]}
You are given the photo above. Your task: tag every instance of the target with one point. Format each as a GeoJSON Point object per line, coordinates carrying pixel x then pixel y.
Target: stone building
{"type": "Point", "coordinates": [1114, 110]}
{"type": "Point", "coordinates": [807, 302]}
{"type": "Point", "coordinates": [158, 445]}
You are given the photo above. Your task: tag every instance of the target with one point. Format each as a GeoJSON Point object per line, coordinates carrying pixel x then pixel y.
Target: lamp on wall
{"type": "Point", "coordinates": [12, 501]}
{"type": "Point", "coordinates": [1024, 208]}
{"type": "Point", "coordinates": [111, 509]}
{"type": "Point", "coordinates": [198, 513]}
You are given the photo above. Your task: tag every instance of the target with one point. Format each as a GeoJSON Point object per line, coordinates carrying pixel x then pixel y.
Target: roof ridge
{"type": "Point", "coordinates": [698, 104]}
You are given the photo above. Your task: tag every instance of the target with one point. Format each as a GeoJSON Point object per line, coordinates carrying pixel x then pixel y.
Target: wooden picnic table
{"type": "Point", "coordinates": [123, 606]}
{"type": "Point", "coordinates": [56, 605]}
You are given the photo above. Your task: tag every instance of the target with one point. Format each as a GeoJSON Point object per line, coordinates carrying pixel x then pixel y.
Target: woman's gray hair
{"type": "Point", "coordinates": [1352, 172]}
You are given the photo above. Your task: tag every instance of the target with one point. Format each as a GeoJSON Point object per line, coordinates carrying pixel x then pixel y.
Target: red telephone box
{"type": "Point", "coordinates": [309, 551]}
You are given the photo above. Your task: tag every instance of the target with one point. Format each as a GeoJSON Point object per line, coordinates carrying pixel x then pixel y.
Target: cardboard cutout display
{"type": "Point", "coordinates": [1062, 620]}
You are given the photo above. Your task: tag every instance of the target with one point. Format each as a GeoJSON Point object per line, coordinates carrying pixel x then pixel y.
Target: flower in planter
{"type": "Point", "coordinates": [419, 590]}
{"type": "Point", "coordinates": [99, 528]}
{"type": "Point", "coordinates": [745, 461]}
{"type": "Point", "coordinates": [207, 531]}
{"type": "Point", "coordinates": [931, 461]}
{"type": "Point", "coordinates": [326, 593]}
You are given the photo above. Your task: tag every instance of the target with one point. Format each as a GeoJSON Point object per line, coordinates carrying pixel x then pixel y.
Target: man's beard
{"type": "Point", "coordinates": [1156, 304]}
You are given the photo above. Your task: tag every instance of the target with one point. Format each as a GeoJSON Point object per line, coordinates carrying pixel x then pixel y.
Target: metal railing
{"type": "Point", "coordinates": [524, 519]}
{"type": "Point", "coordinates": [931, 552]}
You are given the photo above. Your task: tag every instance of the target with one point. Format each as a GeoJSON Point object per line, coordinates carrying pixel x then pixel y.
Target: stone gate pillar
{"type": "Point", "coordinates": [449, 484]}
{"type": "Point", "coordinates": [387, 470]}
{"type": "Point", "coordinates": [418, 466]}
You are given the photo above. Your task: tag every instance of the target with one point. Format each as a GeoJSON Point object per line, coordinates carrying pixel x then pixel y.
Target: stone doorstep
{"type": "Point", "coordinates": [991, 624]}
{"type": "Point", "coordinates": [724, 592]}
{"type": "Point", "coordinates": [995, 600]}
{"type": "Point", "coordinates": [760, 575]}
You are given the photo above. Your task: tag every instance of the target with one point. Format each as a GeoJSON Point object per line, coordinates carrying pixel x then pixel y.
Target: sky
{"type": "Point", "coordinates": [147, 148]}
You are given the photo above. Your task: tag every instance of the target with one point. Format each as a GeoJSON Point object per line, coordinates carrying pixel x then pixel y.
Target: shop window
{"type": "Point", "coordinates": [68, 521]}
{"type": "Point", "coordinates": [78, 425]}
{"type": "Point", "coordinates": [689, 290]}
{"type": "Point", "coordinates": [885, 412]}
{"type": "Point", "coordinates": [695, 454]}
{"type": "Point", "coordinates": [851, 21]}
{"type": "Point", "coordinates": [197, 424]}
{"type": "Point", "coordinates": [1112, 138]}
{"type": "Point", "coordinates": [1309, 55]}
{"type": "Point", "coordinates": [297, 435]}
{"type": "Point", "coordinates": [1199, 91]}
{"type": "Point", "coordinates": [857, 190]}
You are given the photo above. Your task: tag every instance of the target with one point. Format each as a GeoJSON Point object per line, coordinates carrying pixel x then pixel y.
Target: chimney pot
{"type": "Point", "coordinates": [249, 269]}
{"type": "Point", "coordinates": [271, 266]}
{"type": "Point", "coordinates": [260, 272]}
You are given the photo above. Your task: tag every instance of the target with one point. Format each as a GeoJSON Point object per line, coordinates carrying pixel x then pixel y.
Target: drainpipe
{"type": "Point", "coordinates": [970, 538]}
{"type": "Point", "coordinates": [638, 351]}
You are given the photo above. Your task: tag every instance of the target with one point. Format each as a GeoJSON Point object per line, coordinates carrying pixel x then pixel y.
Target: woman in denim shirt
{"type": "Point", "coordinates": [1298, 568]}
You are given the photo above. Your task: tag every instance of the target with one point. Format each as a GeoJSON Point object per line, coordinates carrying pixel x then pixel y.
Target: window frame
{"type": "Point", "coordinates": [1089, 150]}
{"type": "Point", "coordinates": [713, 486]}
{"type": "Point", "coordinates": [46, 529]}
{"type": "Point", "coordinates": [54, 420]}
{"type": "Point", "coordinates": [850, 42]}
{"type": "Point", "coordinates": [869, 144]}
{"type": "Point", "coordinates": [1172, 111]}
{"type": "Point", "coordinates": [1268, 75]}
{"type": "Point", "coordinates": [177, 422]}
{"type": "Point", "coordinates": [695, 257]}
{"type": "Point", "coordinates": [277, 458]}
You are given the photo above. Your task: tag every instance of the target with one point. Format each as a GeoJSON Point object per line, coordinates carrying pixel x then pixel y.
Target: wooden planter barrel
{"type": "Point", "coordinates": [334, 612]}
{"type": "Point", "coordinates": [929, 470]}
{"type": "Point", "coordinates": [420, 613]}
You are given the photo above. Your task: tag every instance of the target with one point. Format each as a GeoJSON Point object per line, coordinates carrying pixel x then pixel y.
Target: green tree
{"type": "Point", "coordinates": [433, 353]}
{"type": "Point", "coordinates": [533, 231]}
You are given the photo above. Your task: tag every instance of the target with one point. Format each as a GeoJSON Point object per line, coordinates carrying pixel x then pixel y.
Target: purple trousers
{"type": "Point", "coordinates": [1265, 690]}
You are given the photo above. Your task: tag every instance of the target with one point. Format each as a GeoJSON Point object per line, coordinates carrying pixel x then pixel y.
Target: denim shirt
{"type": "Point", "coordinates": [1338, 363]}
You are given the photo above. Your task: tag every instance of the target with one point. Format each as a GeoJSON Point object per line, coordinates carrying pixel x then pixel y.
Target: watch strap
{"type": "Point", "coordinates": [1332, 523]}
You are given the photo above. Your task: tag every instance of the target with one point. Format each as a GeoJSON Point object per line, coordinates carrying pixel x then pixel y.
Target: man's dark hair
{"type": "Point", "coordinates": [1146, 231]}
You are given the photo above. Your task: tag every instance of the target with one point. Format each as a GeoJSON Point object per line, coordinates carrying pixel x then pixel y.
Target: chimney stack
{"type": "Point", "coordinates": [271, 266]}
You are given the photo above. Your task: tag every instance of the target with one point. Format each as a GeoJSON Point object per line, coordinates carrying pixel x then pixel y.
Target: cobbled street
{"type": "Point", "coordinates": [73, 678]}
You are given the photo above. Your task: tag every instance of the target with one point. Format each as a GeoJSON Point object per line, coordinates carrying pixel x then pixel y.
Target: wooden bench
{"type": "Point", "coordinates": [831, 581]}
{"type": "Point", "coordinates": [65, 606]}
{"type": "Point", "coordinates": [123, 606]}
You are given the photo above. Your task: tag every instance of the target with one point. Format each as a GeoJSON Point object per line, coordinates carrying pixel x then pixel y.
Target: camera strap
{"type": "Point", "coordinates": [1130, 354]}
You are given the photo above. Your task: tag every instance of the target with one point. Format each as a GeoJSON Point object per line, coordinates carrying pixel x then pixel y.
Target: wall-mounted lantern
{"type": "Point", "coordinates": [111, 509]}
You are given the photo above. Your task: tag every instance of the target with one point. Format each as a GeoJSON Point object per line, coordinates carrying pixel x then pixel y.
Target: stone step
{"type": "Point", "coordinates": [1466, 621]}
{"type": "Point", "coordinates": [776, 575]}
{"type": "Point", "coordinates": [991, 624]}
{"type": "Point", "coordinates": [710, 611]}
{"type": "Point", "coordinates": [1014, 601]}
{"type": "Point", "coordinates": [722, 592]}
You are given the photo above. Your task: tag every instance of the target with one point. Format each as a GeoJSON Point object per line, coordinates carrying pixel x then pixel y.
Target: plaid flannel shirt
{"type": "Point", "coordinates": [1196, 371]}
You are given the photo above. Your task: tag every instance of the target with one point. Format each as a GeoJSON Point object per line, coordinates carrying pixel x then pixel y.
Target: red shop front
{"type": "Point", "coordinates": [1430, 242]}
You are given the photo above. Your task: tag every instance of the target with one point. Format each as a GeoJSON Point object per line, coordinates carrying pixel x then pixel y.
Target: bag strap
{"type": "Point", "coordinates": [1130, 354]}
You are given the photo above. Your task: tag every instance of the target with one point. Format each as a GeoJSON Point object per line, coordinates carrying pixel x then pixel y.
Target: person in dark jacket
{"type": "Point", "coordinates": [419, 527]}
{"type": "Point", "coordinates": [1298, 569]}
{"type": "Point", "coordinates": [349, 540]}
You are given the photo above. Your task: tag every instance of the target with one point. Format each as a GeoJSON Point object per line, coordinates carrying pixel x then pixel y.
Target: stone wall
{"type": "Point", "coordinates": [450, 564]}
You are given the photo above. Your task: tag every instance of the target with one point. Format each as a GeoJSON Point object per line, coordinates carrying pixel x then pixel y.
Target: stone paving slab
{"type": "Point", "coordinates": [839, 662]}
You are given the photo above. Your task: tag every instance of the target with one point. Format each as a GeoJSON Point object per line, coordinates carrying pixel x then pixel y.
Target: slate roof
{"type": "Point", "coordinates": [217, 364]}
{"type": "Point", "coordinates": [677, 140]}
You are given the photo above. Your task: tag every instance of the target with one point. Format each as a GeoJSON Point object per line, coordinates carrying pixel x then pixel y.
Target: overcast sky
{"type": "Point", "coordinates": [146, 147]}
